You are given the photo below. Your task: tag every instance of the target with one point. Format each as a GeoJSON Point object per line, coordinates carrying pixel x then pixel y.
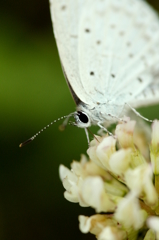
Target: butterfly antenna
{"type": "Point", "coordinates": [33, 137]}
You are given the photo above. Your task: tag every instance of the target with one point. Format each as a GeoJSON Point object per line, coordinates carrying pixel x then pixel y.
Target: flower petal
{"type": "Point", "coordinates": [96, 223]}
{"type": "Point", "coordinates": [120, 161]}
{"type": "Point", "coordinates": [93, 193]}
{"type": "Point", "coordinates": [112, 233]}
{"type": "Point", "coordinates": [153, 223]}
{"type": "Point", "coordinates": [129, 213]}
{"type": "Point", "coordinates": [92, 151]}
{"type": "Point", "coordinates": [101, 152]}
{"type": "Point", "coordinates": [105, 149]}
{"type": "Point", "coordinates": [150, 235]}
{"type": "Point", "coordinates": [140, 180]}
{"type": "Point", "coordinates": [124, 132]}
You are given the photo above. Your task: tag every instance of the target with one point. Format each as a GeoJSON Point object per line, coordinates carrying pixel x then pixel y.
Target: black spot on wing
{"type": "Point", "coordinates": [87, 30]}
{"type": "Point", "coordinates": [63, 7]}
{"type": "Point", "coordinates": [92, 73]}
{"type": "Point", "coordinates": [140, 80]}
{"type": "Point", "coordinates": [113, 75]}
{"type": "Point", "coordinates": [98, 42]}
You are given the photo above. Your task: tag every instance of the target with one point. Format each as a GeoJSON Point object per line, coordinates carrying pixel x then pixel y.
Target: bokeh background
{"type": "Point", "coordinates": [33, 92]}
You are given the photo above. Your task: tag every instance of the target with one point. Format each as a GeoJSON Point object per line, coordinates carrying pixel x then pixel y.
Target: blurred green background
{"type": "Point", "coordinates": [33, 92]}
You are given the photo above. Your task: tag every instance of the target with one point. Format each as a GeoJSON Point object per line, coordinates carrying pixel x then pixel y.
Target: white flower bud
{"type": "Point", "coordinates": [129, 213]}
{"type": "Point", "coordinates": [94, 194]}
{"type": "Point", "coordinates": [153, 223]}
{"type": "Point", "coordinates": [72, 184]}
{"type": "Point", "coordinates": [112, 233]}
{"type": "Point", "coordinates": [101, 152]}
{"type": "Point", "coordinates": [120, 161]}
{"type": "Point", "coordinates": [140, 180]}
{"type": "Point", "coordinates": [92, 150]}
{"type": "Point", "coordinates": [103, 182]}
{"type": "Point", "coordinates": [124, 132]}
{"type": "Point", "coordinates": [92, 224]}
{"type": "Point", "coordinates": [96, 223]}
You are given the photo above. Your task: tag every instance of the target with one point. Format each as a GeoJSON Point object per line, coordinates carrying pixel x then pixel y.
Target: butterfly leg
{"type": "Point", "coordinates": [87, 135]}
{"type": "Point", "coordinates": [138, 114]}
{"type": "Point", "coordinates": [101, 132]}
{"type": "Point", "coordinates": [99, 125]}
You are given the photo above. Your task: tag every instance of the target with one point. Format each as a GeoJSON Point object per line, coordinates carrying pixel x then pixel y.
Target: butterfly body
{"type": "Point", "coordinates": [102, 113]}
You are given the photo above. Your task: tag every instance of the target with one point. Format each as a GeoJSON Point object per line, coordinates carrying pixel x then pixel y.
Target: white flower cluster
{"type": "Point", "coordinates": [119, 183]}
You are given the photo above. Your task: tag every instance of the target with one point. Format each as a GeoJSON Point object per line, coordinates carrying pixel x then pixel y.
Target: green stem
{"type": "Point", "coordinates": [157, 183]}
{"type": "Point", "coordinates": [157, 190]}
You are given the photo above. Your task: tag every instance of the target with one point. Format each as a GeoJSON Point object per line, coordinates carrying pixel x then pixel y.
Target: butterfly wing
{"type": "Point", "coordinates": [150, 95]}
{"type": "Point", "coordinates": [65, 16]}
{"type": "Point", "coordinates": [108, 48]}
{"type": "Point", "coordinates": [118, 47]}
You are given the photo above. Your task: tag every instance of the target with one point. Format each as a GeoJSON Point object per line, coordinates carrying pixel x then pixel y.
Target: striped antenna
{"type": "Point", "coordinates": [33, 137]}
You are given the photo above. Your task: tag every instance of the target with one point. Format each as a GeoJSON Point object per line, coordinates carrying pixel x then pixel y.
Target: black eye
{"type": "Point", "coordinates": [83, 117]}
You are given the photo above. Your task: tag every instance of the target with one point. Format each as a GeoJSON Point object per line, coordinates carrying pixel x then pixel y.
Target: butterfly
{"type": "Point", "coordinates": [109, 52]}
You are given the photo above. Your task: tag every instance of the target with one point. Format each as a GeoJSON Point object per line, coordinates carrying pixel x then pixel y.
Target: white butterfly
{"type": "Point", "coordinates": [109, 51]}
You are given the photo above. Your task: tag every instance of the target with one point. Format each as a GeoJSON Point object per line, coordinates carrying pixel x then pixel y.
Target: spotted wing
{"type": "Point", "coordinates": [108, 48]}
{"type": "Point", "coordinates": [150, 95]}
{"type": "Point", "coordinates": [118, 48]}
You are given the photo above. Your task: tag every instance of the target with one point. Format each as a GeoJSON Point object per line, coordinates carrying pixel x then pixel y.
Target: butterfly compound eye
{"type": "Point", "coordinates": [83, 117]}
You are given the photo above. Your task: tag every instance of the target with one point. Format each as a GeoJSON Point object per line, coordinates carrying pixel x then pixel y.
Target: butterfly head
{"type": "Point", "coordinates": [82, 119]}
